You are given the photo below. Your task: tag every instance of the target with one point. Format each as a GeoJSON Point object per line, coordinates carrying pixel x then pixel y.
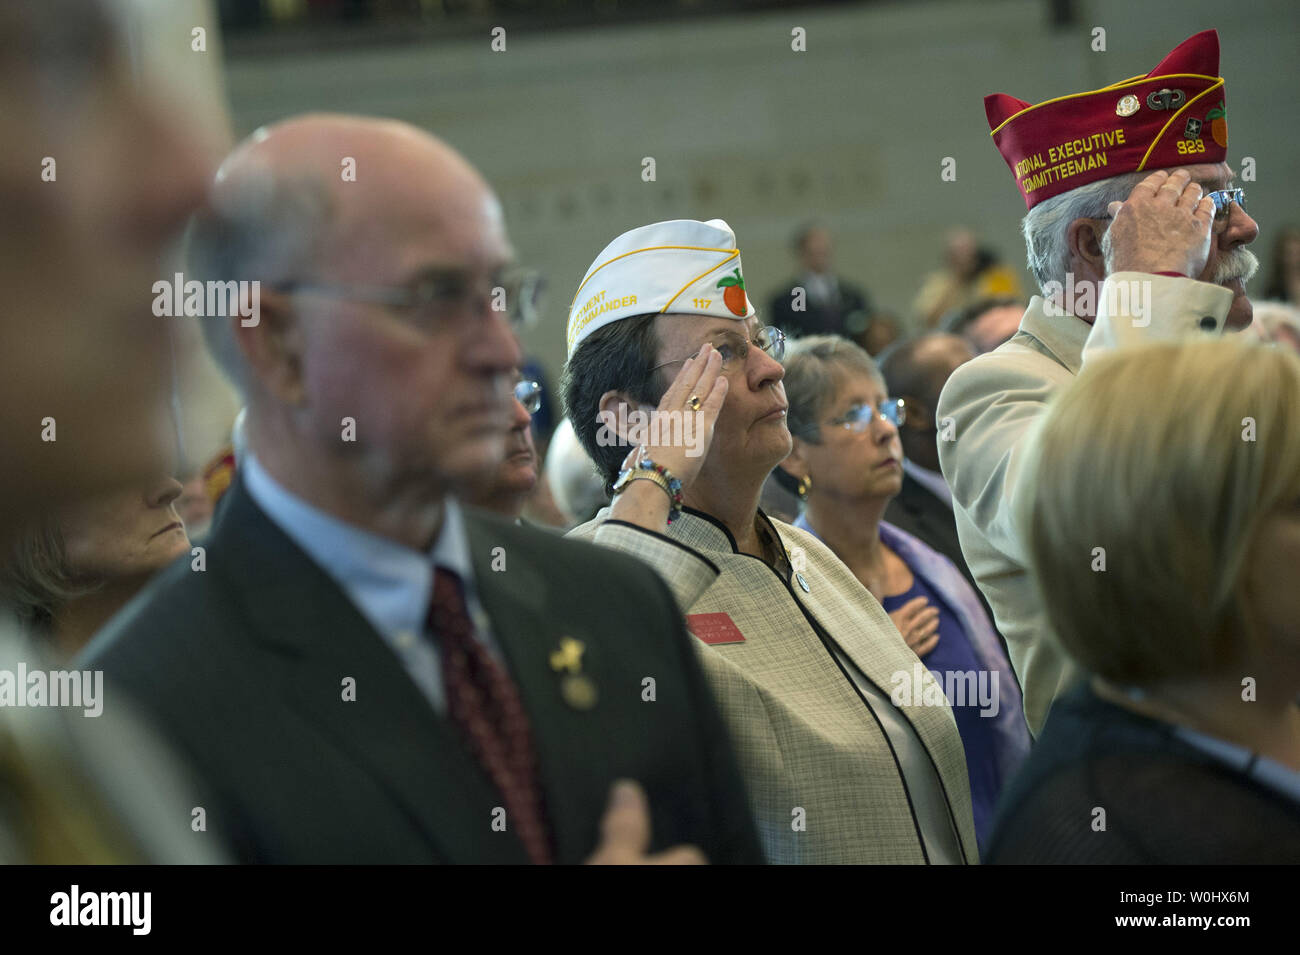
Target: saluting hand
{"type": "Point", "coordinates": [701, 377]}
{"type": "Point", "coordinates": [1163, 226]}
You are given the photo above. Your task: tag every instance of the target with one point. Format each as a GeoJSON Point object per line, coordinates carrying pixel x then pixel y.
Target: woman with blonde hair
{"type": "Point", "coordinates": [1164, 534]}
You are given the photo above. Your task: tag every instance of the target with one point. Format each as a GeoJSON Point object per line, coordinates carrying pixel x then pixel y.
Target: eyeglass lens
{"type": "Point", "coordinates": [529, 394]}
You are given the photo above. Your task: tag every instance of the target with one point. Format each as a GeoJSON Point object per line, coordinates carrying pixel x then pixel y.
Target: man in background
{"type": "Point", "coordinates": [986, 323]}
{"type": "Point", "coordinates": [818, 301]}
{"type": "Point", "coordinates": [506, 489]}
{"type": "Point", "coordinates": [1104, 229]}
{"type": "Point", "coordinates": [916, 371]}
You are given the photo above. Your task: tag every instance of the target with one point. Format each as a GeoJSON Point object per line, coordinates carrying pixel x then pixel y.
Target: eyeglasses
{"type": "Point", "coordinates": [1223, 200]}
{"type": "Point", "coordinates": [437, 298]}
{"type": "Point", "coordinates": [734, 348]}
{"type": "Point", "coordinates": [529, 394]}
{"type": "Point", "coordinates": [859, 417]}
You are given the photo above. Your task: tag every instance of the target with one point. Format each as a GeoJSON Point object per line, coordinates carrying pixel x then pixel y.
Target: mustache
{"type": "Point", "coordinates": [1240, 263]}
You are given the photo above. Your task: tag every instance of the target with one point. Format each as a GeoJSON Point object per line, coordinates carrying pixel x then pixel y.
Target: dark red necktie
{"type": "Point", "coordinates": [484, 703]}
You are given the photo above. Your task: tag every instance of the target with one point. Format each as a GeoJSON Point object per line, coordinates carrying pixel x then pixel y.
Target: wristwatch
{"type": "Point", "coordinates": [628, 475]}
{"type": "Point", "coordinates": [641, 467]}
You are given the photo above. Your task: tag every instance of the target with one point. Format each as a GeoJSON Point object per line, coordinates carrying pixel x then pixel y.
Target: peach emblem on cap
{"type": "Point", "coordinates": [734, 296]}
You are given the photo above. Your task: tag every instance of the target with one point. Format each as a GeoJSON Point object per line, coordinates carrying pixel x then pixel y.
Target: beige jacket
{"type": "Point", "coordinates": [984, 417]}
{"type": "Point", "coordinates": [822, 776]}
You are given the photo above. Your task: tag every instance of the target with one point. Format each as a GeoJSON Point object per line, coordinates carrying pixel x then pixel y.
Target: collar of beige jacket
{"type": "Point", "coordinates": [1064, 335]}
{"type": "Point", "coordinates": [704, 532]}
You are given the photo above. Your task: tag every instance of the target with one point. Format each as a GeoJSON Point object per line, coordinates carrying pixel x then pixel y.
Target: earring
{"type": "Point", "coordinates": [805, 485]}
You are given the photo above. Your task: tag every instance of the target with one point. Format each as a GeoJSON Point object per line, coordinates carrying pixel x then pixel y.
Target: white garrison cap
{"type": "Point", "coordinates": [682, 266]}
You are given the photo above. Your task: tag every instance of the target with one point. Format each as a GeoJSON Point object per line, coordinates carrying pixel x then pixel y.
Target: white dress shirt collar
{"type": "Point", "coordinates": [389, 583]}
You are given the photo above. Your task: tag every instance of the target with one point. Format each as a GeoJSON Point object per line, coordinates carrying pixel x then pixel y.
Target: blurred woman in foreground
{"type": "Point", "coordinates": [75, 568]}
{"type": "Point", "coordinates": [1164, 531]}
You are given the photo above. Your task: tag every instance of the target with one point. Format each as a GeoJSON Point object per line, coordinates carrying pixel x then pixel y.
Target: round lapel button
{"type": "Point", "coordinates": [579, 692]}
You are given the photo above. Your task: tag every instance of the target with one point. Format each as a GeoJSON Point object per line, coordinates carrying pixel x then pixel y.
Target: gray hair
{"type": "Point", "coordinates": [1045, 225]}
{"type": "Point", "coordinates": [811, 367]}
{"type": "Point", "coordinates": [267, 228]}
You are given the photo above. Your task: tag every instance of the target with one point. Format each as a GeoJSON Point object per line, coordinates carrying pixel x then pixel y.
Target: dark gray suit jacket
{"type": "Point", "coordinates": [242, 668]}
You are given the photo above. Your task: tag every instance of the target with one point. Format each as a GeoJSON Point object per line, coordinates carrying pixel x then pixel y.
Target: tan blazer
{"type": "Point", "coordinates": [984, 417]}
{"type": "Point", "coordinates": [804, 738]}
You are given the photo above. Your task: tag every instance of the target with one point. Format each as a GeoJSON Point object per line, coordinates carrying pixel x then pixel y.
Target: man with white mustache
{"type": "Point", "coordinates": [1128, 191]}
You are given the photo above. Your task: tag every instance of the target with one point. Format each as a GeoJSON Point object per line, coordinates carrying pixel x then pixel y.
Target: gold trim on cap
{"type": "Point", "coordinates": [735, 253]}
{"type": "Point", "coordinates": [1108, 89]}
{"type": "Point", "coordinates": [650, 248]}
{"type": "Point", "coordinates": [1164, 129]}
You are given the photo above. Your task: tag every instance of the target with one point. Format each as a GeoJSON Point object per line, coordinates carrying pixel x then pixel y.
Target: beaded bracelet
{"type": "Point", "coordinates": [674, 487]}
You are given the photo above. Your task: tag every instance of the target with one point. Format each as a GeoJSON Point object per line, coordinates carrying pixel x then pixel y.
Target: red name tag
{"type": "Point", "coordinates": [714, 628]}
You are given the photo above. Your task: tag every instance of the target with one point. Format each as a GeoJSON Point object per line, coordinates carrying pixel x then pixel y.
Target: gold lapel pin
{"type": "Point", "coordinates": [569, 656]}
{"type": "Point", "coordinates": [575, 686]}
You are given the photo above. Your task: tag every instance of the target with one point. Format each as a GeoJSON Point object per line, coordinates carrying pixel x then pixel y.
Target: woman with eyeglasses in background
{"type": "Point", "coordinates": [847, 460]}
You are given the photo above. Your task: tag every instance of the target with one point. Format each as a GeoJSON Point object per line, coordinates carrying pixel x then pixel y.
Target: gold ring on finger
{"type": "Point", "coordinates": [694, 403]}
